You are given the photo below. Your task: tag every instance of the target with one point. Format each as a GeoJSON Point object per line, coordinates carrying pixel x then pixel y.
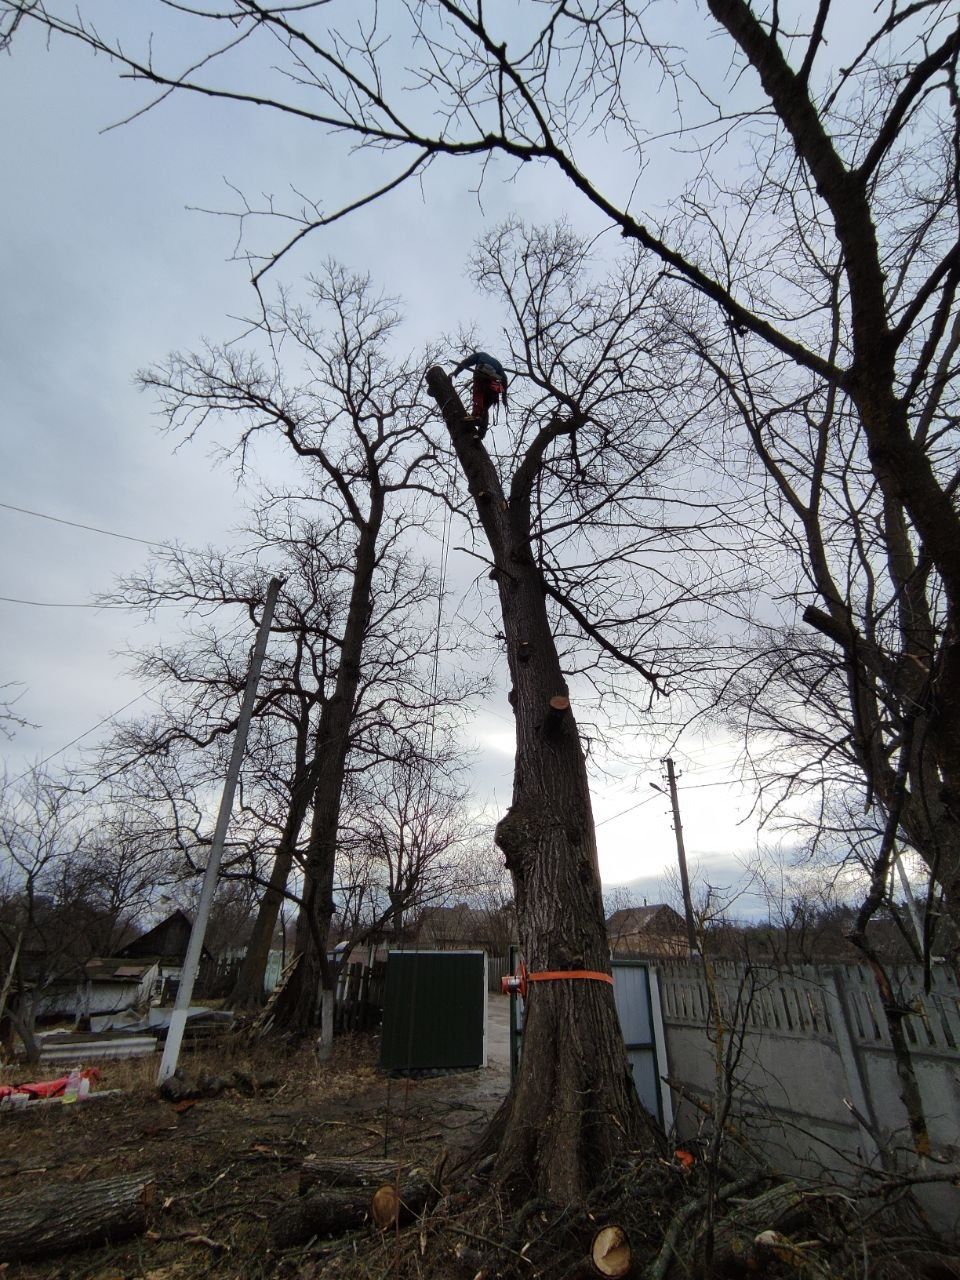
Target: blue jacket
{"type": "Point", "coordinates": [482, 357]}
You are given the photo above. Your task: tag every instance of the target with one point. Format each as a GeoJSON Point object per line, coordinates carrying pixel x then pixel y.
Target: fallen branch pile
{"type": "Point", "coordinates": [652, 1219]}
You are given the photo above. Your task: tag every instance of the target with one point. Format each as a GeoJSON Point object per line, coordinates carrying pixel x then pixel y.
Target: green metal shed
{"type": "Point", "coordinates": [434, 1010]}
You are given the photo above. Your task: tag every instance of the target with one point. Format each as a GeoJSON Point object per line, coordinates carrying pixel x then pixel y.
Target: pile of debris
{"type": "Point", "coordinates": [652, 1218]}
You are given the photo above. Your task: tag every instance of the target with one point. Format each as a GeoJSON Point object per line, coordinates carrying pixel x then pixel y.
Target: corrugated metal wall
{"type": "Point", "coordinates": [434, 1010]}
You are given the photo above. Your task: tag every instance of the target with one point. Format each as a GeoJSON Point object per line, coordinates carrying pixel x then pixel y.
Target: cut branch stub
{"type": "Point", "coordinates": [557, 710]}
{"type": "Point", "coordinates": [610, 1252]}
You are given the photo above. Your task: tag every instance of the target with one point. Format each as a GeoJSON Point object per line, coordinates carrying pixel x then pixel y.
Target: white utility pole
{"type": "Point", "coordinates": [191, 964]}
{"type": "Point", "coordinates": [908, 894]}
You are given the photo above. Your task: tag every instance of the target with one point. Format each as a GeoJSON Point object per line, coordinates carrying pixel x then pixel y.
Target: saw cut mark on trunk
{"type": "Point", "coordinates": [394, 1202]}
{"type": "Point", "coordinates": [610, 1252]}
{"type": "Point", "coordinates": [64, 1216]}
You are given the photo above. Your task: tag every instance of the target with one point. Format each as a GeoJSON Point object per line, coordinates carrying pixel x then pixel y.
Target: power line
{"type": "Point", "coordinates": [697, 786]}
{"type": "Point", "coordinates": [623, 813]}
{"type": "Point", "coordinates": [75, 524]}
{"type": "Point", "coordinates": [75, 604]}
{"type": "Point", "coordinates": [108, 533]}
{"type": "Point", "coordinates": [86, 733]}
{"type": "Point", "coordinates": [112, 715]}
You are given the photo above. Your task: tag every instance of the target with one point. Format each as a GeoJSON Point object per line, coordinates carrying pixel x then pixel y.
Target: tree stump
{"type": "Point", "coordinates": [73, 1215]}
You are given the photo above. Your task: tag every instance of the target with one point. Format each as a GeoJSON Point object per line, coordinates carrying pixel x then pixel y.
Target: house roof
{"type": "Point", "coordinates": [117, 969]}
{"type": "Point", "coordinates": [167, 940]}
{"type": "Point", "coordinates": [658, 918]}
{"type": "Point", "coordinates": [461, 921]}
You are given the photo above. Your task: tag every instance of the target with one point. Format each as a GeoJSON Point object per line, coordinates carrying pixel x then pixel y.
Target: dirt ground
{"type": "Point", "coordinates": [224, 1165]}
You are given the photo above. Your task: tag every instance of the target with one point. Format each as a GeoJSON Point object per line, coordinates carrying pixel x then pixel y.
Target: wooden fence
{"type": "Point", "coordinates": [359, 997]}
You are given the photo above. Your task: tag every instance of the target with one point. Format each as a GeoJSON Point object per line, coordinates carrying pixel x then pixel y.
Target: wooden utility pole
{"type": "Point", "coordinates": [682, 859]}
{"type": "Point", "coordinates": [191, 963]}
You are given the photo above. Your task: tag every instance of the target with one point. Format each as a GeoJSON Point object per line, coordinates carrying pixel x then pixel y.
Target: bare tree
{"type": "Point", "coordinates": [10, 719]}
{"type": "Point", "coordinates": [351, 418]}
{"type": "Point", "coordinates": [854, 138]}
{"type": "Point", "coordinates": [76, 878]}
{"type": "Point", "coordinates": [843, 125]}
{"type": "Point", "coordinates": [202, 679]}
{"type": "Point", "coordinates": [583, 550]}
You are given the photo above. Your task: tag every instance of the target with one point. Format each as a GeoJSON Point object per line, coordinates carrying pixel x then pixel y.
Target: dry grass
{"type": "Point", "coordinates": [225, 1165]}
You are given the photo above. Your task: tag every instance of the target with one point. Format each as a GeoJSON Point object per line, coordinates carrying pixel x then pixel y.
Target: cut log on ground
{"type": "Point", "coordinates": [345, 1171]}
{"type": "Point", "coordinates": [610, 1252]}
{"type": "Point", "coordinates": [73, 1215]}
{"type": "Point", "coordinates": [393, 1203]}
{"type": "Point", "coordinates": [324, 1213]}
{"type": "Point", "coordinates": [334, 1210]}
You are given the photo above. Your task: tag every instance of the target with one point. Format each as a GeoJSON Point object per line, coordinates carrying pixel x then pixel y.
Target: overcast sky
{"type": "Point", "coordinates": [105, 270]}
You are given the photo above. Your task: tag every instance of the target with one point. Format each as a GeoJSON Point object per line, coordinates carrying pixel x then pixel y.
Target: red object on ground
{"type": "Point", "coordinates": [48, 1088]}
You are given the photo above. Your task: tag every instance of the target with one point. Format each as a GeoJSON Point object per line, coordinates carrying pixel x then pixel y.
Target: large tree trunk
{"type": "Point", "coordinates": [248, 989]}
{"type": "Point", "coordinates": [299, 1003]}
{"type": "Point", "coordinates": [573, 1108]}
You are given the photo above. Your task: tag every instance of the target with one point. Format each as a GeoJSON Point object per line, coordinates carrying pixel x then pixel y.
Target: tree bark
{"type": "Point", "coordinates": [328, 1212]}
{"type": "Point", "coordinates": [573, 1108]}
{"type": "Point", "coordinates": [67, 1215]}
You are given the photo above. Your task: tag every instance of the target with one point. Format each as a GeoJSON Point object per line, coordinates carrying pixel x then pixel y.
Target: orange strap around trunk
{"type": "Point", "coordinates": [554, 975]}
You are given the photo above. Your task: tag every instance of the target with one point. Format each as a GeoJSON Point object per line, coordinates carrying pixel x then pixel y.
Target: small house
{"type": "Point", "coordinates": [116, 984]}
{"type": "Point", "coordinates": [166, 945]}
{"type": "Point", "coordinates": [648, 930]}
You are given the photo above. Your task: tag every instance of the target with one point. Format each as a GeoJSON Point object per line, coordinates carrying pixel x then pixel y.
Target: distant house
{"type": "Point", "coordinates": [649, 930]}
{"type": "Point", "coordinates": [463, 927]}
{"type": "Point", "coordinates": [109, 985]}
{"type": "Point", "coordinates": [166, 944]}
{"type": "Point", "coordinates": [450, 927]}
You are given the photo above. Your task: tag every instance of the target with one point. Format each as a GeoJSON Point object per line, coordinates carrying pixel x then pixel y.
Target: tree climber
{"type": "Point", "coordinates": [489, 387]}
